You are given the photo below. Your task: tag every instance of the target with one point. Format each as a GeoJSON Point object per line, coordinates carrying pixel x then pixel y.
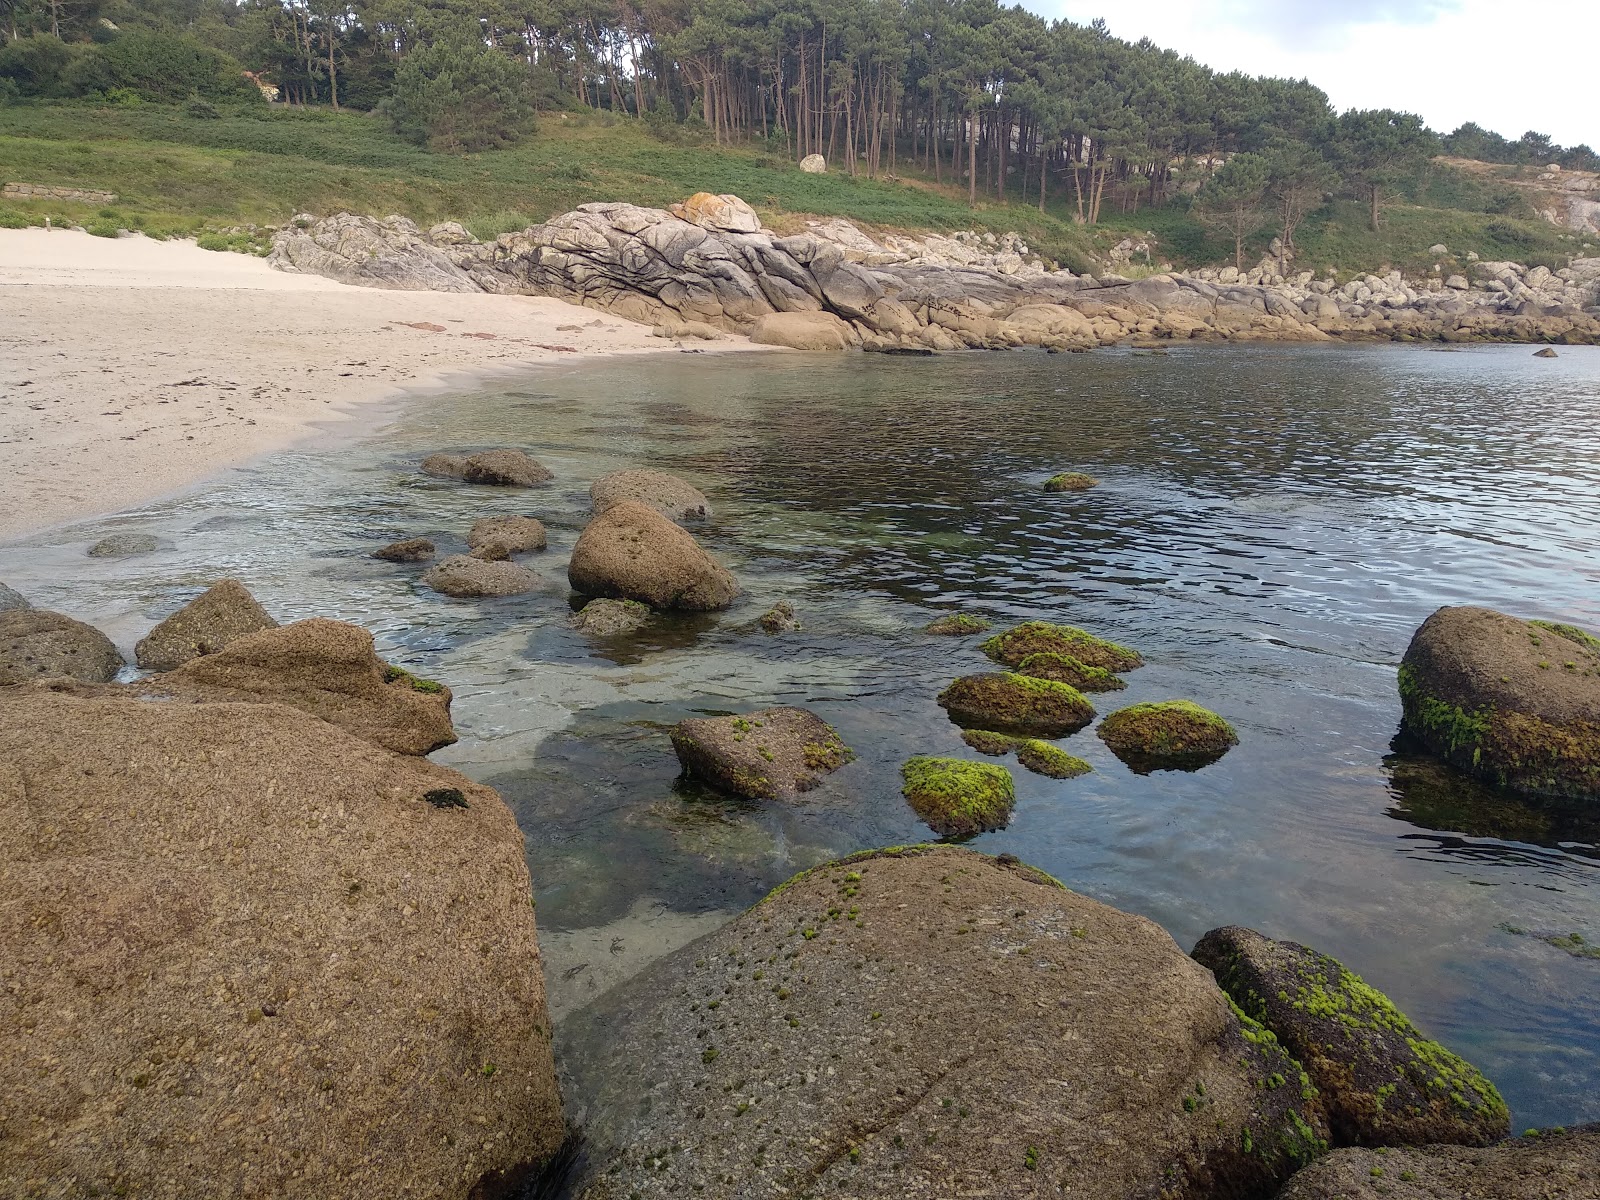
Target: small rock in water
{"type": "Point", "coordinates": [957, 798]}
{"type": "Point", "coordinates": [632, 552]}
{"type": "Point", "coordinates": [611, 618]}
{"type": "Point", "coordinates": [1044, 759]}
{"type": "Point", "coordinates": [1064, 668]}
{"type": "Point", "coordinates": [780, 618]}
{"type": "Point", "coordinates": [11, 600]}
{"type": "Point", "coordinates": [465, 576]}
{"type": "Point", "coordinates": [407, 550]}
{"type": "Point", "coordinates": [670, 495]}
{"type": "Point", "coordinates": [1008, 703]}
{"type": "Point", "coordinates": [1547, 352]}
{"type": "Point", "coordinates": [494, 538]}
{"type": "Point", "coordinates": [956, 625]}
{"type": "Point", "coordinates": [220, 615]}
{"type": "Point", "coordinates": [36, 643]}
{"type": "Point", "coordinates": [1070, 481]}
{"type": "Point", "coordinates": [1016, 645]}
{"type": "Point", "coordinates": [125, 545]}
{"type": "Point", "coordinates": [767, 755]}
{"type": "Point", "coordinates": [504, 468]}
{"type": "Point", "coordinates": [1171, 735]}
{"type": "Point", "coordinates": [445, 466]}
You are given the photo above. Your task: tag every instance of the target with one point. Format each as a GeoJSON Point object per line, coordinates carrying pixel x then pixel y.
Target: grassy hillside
{"type": "Point", "coordinates": [179, 174]}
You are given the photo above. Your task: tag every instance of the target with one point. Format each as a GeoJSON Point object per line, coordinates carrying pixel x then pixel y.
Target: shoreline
{"type": "Point", "coordinates": [197, 361]}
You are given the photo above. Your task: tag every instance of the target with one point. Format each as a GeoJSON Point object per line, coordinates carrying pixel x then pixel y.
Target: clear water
{"type": "Point", "coordinates": [1272, 525]}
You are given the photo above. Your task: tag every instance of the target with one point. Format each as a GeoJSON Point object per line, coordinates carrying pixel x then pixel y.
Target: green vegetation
{"type": "Point", "coordinates": [1044, 759]}
{"type": "Point", "coordinates": [1064, 668]}
{"type": "Point", "coordinates": [956, 625]}
{"type": "Point", "coordinates": [957, 798]}
{"type": "Point", "coordinates": [1070, 481]}
{"type": "Point", "coordinates": [1016, 645]}
{"type": "Point", "coordinates": [1009, 703]}
{"type": "Point", "coordinates": [393, 674]}
{"type": "Point", "coordinates": [1175, 734]}
{"type": "Point", "coordinates": [984, 742]}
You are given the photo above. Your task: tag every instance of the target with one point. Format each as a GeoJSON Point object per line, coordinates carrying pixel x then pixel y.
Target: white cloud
{"type": "Point", "coordinates": [1508, 67]}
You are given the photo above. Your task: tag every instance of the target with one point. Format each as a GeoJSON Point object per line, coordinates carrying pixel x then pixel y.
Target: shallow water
{"type": "Point", "coordinates": [1271, 526]}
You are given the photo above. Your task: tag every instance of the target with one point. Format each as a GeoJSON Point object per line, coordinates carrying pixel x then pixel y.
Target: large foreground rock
{"type": "Point", "coordinates": [249, 954]}
{"type": "Point", "coordinates": [328, 669]}
{"type": "Point", "coordinates": [1558, 1165]}
{"type": "Point", "coordinates": [1513, 702]}
{"type": "Point", "coordinates": [766, 755]}
{"type": "Point", "coordinates": [36, 643]}
{"type": "Point", "coordinates": [670, 495]}
{"type": "Point", "coordinates": [632, 552]}
{"type": "Point", "coordinates": [1381, 1082]}
{"type": "Point", "coordinates": [221, 614]}
{"type": "Point", "coordinates": [929, 1022]}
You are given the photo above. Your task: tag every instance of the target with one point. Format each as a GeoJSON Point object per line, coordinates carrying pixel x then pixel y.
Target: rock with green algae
{"type": "Point", "coordinates": [1044, 759]}
{"type": "Point", "coordinates": [1553, 1164]}
{"type": "Point", "coordinates": [1021, 642]}
{"type": "Point", "coordinates": [912, 1021]}
{"type": "Point", "coordinates": [957, 798]}
{"type": "Point", "coordinates": [1515, 703]}
{"type": "Point", "coordinates": [985, 742]}
{"type": "Point", "coordinates": [1380, 1081]}
{"type": "Point", "coordinates": [957, 625]}
{"type": "Point", "coordinates": [1064, 668]}
{"type": "Point", "coordinates": [1070, 481]}
{"type": "Point", "coordinates": [768, 755]}
{"type": "Point", "coordinates": [1005, 702]}
{"type": "Point", "coordinates": [1168, 735]}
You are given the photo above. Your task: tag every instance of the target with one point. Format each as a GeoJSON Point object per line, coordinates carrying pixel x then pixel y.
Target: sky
{"type": "Point", "coordinates": [1509, 65]}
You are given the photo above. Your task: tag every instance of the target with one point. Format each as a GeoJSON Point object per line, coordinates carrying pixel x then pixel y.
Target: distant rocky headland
{"type": "Point", "coordinates": [707, 267]}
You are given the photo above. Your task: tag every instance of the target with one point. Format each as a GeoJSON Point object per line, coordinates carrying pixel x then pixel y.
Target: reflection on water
{"type": "Point", "coordinates": [1271, 526]}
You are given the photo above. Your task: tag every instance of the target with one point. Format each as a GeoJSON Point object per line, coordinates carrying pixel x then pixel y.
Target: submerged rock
{"type": "Point", "coordinates": [632, 552]}
{"type": "Point", "coordinates": [780, 618]}
{"type": "Point", "coordinates": [496, 538]}
{"type": "Point", "coordinates": [504, 468]}
{"type": "Point", "coordinates": [125, 545]}
{"type": "Point", "coordinates": [1169, 735]}
{"type": "Point", "coordinates": [1516, 703]}
{"type": "Point", "coordinates": [1044, 759]}
{"type": "Point", "coordinates": [956, 625]}
{"type": "Point", "coordinates": [462, 575]}
{"type": "Point", "coordinates": [1547, 352]}
{"type": "Point", "coordinates": [930, 1022]}
{"type": "Point", "coordinates": [10, 600]}
{"type": "Point", "coordinates": [193, 889]}
{"type": "Point", "coordinates": [611, 618]}
{"type": "Point", "coordinates": [1016, 645]}
{"type": "Point", "coordinates": [221, 614]}
{"type": "Point", "coordinates": [445, 466]}
{"type": "Point", "coordinates": [1009, 703]}
{"type": "Point", "coordinates": [768, 755]}
{"type": "Point", "coordinates": [670, 495]}
{"type": "Point", "coordinates": [957, 798]}
{"type": "Point", "coordinates": [326, 668]}
{"type": "Point", "coordinates": [1556, 1164]}
{"type": "Point", "coordinates": [36, 643]}
{"type": "Point", "coordinates": [1063, 668]}
{"type": "Point", "coordinates": [407, 550]}
{"type": "Point", "coordinates": [1380, 1081]}
{"type": "Point", "coordinates": [1070, 481]}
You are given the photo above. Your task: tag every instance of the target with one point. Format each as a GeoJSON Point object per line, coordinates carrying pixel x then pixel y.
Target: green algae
{"type": "Point", "coordinates": [394, 674]}
{"type": "Point", "coordinates": [957, 798]}
{"type": "Point", "coordinates": [1167, 735]}
{"type": "Point", "coordinates": [957, 625]}
{"type": "Point", "coordinates": [1064, 668]}
{"type": "Point", "coordinates": [985, 742]}
{"type": "Point", "coordinates": [1044, 759]}
{"type": "Point", "coordinates": [1070, 481]}
{"type": "Point", "coordinates": [1015, 645]}
{"type": "Point", "coordinates": [1005, 702]}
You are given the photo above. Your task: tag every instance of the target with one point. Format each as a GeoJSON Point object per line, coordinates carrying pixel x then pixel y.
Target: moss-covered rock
{"type": "Point", "coordinates": [957, 798]}
{"type": "Point", "coordinates": [1169, 735]}
{"type": "Point", "coordinates": [780, 618]}
{"type": "Point", "coordinates": [1381, 1082]}
{"type": "Point", "coordinates": [1070, 481]}
{"type": "Point", "coordinates": [1044, 759]}
{"type": "Point", "coordinates": [1063, 668]}
{"type": "Point", "coordinates": [1009, 703]}
{"type": "Point", "coordinates": [985, 742]}
{"type": "Point", "coordinates": [611, 618]}
{"type": "Point", "coordinates": [1513, 702]}
{"type": "Point", "coordinates": [957, 625]}
{"type": "Point", "coordinates": [767, 755]}
{"type": "Point", "coordinates": [1016, 645]}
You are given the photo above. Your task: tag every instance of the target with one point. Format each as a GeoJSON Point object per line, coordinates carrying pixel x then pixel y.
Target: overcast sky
{"type": "Point", "coordinates": [1509, 65]}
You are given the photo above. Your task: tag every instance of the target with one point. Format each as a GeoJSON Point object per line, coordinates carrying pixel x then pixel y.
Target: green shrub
{"type": "Point", "coordinates": [460, 95]}
{"type": "Point", "coordinates": [34, 64]}
{"type": "Point", "coordinates": [201, 108]}
{"type": "Point", "coordinates": [161, 66]}
{"type": "Point", "coordinates": [105, 229]}
{"type": "Point", "coordinates": [213, 241]}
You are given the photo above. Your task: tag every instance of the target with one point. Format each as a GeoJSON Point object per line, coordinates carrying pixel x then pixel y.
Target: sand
{"type": "Point", "coordinates": [130, 369]}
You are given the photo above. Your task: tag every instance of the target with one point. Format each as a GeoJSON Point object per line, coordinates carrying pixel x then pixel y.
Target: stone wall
{"type": "Point", "coordinates": [37, 191]}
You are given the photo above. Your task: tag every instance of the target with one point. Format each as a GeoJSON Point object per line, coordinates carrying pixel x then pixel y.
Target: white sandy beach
{"type": "Point", "coordinates": [131, 368]}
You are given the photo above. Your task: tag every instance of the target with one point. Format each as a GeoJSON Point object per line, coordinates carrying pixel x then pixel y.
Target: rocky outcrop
{"type": "Point", "coordinates": [467, 577]}
{"type": "Point", "coordinates": [670, 495]}
{"type": "Point", "coordinates": [707, 264]}
{"type": "Point", "coordinates": [772, 754]}
{"type": "Point", "coordinates": [326, 668]}
{"type": "Point", "coordinates": [632, 552]}
{"type": "Point", "coordinates": [407, 550]}
{"type": "Point", "coordinates": [11, 600]}
{"type": "Point", "coordinates": [1556, 1164]}
{"type": "Point", "coordinates": [221, 614]}
{"type": "Point", "coordinates": [930, 1022]}
{"type": "Point", "coordinates": [1005, 702]}
{"type": "Point", "coordinates": [495, 538]}
{"type": "Point", "coordinates": [1513, 702]}
{"type": "Point", "coordinates": [1380, 1082]}
{"type": "Point", "coordinates": [250, 954]}
{"type": "Point", "coordinates": [38, 644]}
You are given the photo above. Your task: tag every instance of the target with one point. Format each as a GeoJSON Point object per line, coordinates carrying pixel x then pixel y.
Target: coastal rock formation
{"type": "Point", "coordinates": [466, 577]}
{"type": "Point", "coordinates": [1513, 702]}
{"type": "Point", "coordinates": [1380, 1082]}
{"type": "Point", "coordinates": [10, 599]}
{"type": "Point", "coordinates": [1168, 735]}
{"type": "Point", "coordinates": [250, 954]}
{"type": "Point", "coordinates": [221, 614]}
{"type": "Point", "coordinates": [1556, 1164]}
{"type": "Point", "coordinates": [930, 1022]}
{"type": "Point", "coordinates": [956, 798]}
{"type": "Point", "coordinates": [326, 668]}
{"type": "Point", "coordinates": [125, 545]}
{"type": "Point", "coordinates": [768, 755]}
{"type": "Point", "coordinates": [632, 552]}
{"type": "Point", "coordinates": [36, 643]}
{"type": "Point", "coordinates": [670, 495]}
{"type": "Point", "coordinates": [611, 618]}
{"type": "Point", "coordinates": [494, 538]}
{"type": "Point", "coordinates": [407, 550]}
{"type": "Point", "coordinates": [707, 264]}
{"type": "Point", "coordinates": [1005, 702]}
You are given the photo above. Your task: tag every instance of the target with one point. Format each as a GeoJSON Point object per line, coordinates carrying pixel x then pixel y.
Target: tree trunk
{"type": "Point", "coordinates": [972, 165]}
{"type": "Point", "coordinates": [1374, 208]}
